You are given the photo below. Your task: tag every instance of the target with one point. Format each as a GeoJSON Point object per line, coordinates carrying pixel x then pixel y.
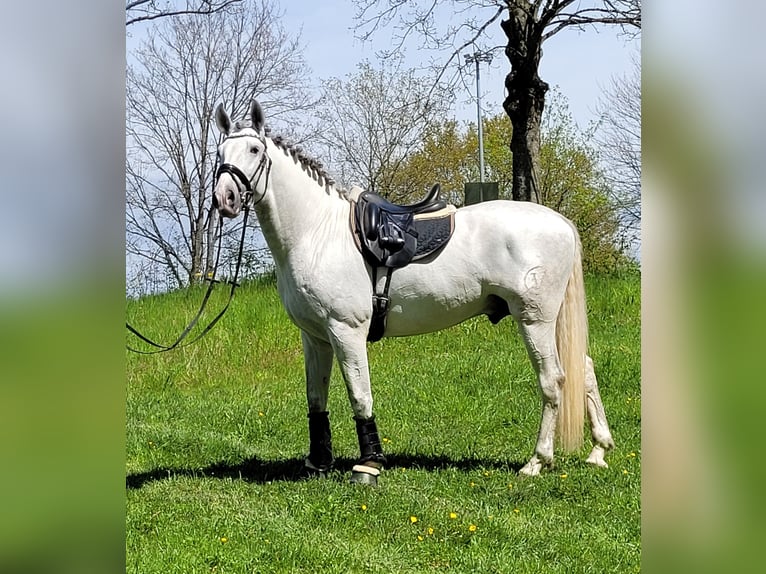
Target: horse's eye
{"type": "Point", "coordinates": [253, 149]}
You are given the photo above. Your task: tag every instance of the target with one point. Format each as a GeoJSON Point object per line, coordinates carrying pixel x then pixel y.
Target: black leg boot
{"type": "Point", "coordinates": [319, 460]}
{"type": "Point", "coordinates": [372, 459]}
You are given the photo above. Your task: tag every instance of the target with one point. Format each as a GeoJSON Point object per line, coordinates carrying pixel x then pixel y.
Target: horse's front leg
{"type": "Point", "coordinates": [350, 345]}
{"type": "Point", "coordinates": [318, 357]}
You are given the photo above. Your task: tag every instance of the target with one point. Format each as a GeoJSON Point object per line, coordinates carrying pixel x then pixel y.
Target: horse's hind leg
{"type": "Point", "coordinates": [602, 438]}
{"type": "Point", "coordinates": [540, 339]}
{"type": "Point", "coordinates": [318, 357]}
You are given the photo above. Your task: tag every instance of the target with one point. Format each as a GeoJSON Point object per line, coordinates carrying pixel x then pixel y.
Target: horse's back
{"type": "Point", "coordinates": [519, 252]}
{"type": "Point", "coordinates": [514, 237]}
{"type": "Point", "coordinates": [526, 223]}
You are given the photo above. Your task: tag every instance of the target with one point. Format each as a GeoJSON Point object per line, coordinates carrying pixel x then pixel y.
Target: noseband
{"type": "Point", "coordinates": [242, 180]}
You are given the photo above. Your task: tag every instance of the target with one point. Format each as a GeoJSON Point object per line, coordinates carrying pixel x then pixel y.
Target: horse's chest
{"type": "Point", "coordinates": [303, 306]}
{"type": "Point", "coordinates": [312, 302]}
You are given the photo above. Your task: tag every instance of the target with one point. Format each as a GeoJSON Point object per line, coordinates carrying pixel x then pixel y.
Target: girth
{"type": "Point", "coordinates": [392, 236]}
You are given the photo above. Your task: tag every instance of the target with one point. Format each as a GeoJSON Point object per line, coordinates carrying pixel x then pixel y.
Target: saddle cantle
{"type": "Point", "coordinates": [392, 236]}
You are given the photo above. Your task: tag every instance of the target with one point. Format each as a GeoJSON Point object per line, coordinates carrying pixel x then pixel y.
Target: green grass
{"type": "Point", "coordinates": [217, 433]}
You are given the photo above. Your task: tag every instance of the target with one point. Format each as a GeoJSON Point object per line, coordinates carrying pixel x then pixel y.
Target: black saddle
{"type": "Point", "coordinates": [389, 233]}
{"type": "Point", "coordinates": [392, 236]}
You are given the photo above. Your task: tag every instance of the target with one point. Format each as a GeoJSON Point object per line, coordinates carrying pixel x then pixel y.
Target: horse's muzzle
{"type": "Point", "coordinates": [227, 198]}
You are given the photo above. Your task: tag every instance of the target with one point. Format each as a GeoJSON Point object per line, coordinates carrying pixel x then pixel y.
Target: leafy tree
{"type": "Point", "coordinates": [570, 179]}
{"type": "Point", "coordinates": [445, 157]}
{"type": "Point", "coordinates": [572, 183]}
{"type": "Point", "coordinates": [456, 27]}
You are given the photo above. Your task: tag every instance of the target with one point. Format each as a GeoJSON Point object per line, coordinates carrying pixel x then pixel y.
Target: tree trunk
{"type": "Point", "coordinates": [525, 101]}
{"type": "Point", "coordinates": [197, 251]}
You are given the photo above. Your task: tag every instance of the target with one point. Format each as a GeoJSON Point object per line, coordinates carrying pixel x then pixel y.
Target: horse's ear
{"type": "Point", "coordinates": [435, 190]}
{"type": "Point", "coordinates": [222, 120]}
{"type": "Point", "coordinates": [256, 115]}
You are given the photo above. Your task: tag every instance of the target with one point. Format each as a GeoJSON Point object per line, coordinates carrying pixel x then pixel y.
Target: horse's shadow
{"type": "Point", "coordinates": [260, 471]}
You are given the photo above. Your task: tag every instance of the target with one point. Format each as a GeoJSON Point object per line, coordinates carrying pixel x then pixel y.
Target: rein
{"type": "Point", "coordinates": [241, 178]}
{"type": "Point", "coordinates": [160, 348]}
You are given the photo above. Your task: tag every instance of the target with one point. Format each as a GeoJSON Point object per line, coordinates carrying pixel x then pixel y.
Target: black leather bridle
{"type": "Point", "coordinates": [239, 176]}
{"type": "Point", "coordinates": [264, 166]}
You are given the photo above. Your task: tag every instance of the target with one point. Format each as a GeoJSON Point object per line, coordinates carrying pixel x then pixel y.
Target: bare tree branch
{"type": "Point", "coordinates": [619, 141]}
{"type": "Point", "coordinates": [187, 65]}
{"type": "Point", "coordinates": [146, 10]}
{"type": "Point", "coordinates": [374, 119]}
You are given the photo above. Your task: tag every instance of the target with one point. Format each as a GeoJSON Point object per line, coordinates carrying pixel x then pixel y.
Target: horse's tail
{"type": "Point", "coordinates": [572, 343]}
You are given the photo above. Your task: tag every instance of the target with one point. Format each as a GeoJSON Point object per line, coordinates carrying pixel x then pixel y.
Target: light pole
{"type": "Point", "coordinates": [477, 57]}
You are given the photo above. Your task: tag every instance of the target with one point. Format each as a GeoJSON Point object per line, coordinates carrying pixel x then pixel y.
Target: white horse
{"type": "Point", "coordinates": [504, 257]}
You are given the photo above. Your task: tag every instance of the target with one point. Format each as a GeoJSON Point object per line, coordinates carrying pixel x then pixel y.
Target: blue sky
{"type": "Point", "coordinates": [580, 64]}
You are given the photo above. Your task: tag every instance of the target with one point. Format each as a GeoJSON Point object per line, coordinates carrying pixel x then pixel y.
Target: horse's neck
{"type": "Point", "coordinates": [296, 207]}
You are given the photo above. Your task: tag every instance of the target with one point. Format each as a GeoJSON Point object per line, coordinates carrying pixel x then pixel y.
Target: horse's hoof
{"type": "Point", "coordinates": [596, 457]}
{"type": "Point", "coordinates": [366, 475]}
{"type": "Point", "coordinates": [311, 471]}
{"type": "Point", "coordinates": [532, 468]}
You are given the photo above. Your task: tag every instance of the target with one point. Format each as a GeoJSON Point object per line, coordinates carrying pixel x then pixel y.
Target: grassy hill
{"type": "Point", "coordinates": [217, 432]}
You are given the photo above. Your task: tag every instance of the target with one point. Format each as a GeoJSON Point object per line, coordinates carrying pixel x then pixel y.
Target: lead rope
{"type": "Point", "coordinates": [159, 348]}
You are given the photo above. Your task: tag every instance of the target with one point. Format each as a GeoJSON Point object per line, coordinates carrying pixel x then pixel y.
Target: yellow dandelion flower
{"type": "Point", "coordinates": [413, 519]}
{"type": "Point", "coordinates": [516, 510]}
{"type": "Point", "coordinates": [364, 507]}
{"type": "Point", "coordinates": [473, 484]}
{"type": "Point", "coordinates": [624, 471]}
{"type": "Point", "coordinates": [420, 538]}
{"type": "Point", "coordinates": [453, 515]}
{"type": "Point", "coordinates": [224, 540]}
{"type": "Point", "coordinates": [430, 530]}
{"type": "Point", "coordinates": [260, 413]}
{"type": "Point", "coordinates": [510, 486]}
{"type": "Point", "coordinates": [472, 528]}
{"type": "Point", "coordinates": [386, 440]}
{"type": "Point", "coordinates": [564, 475]}
{"type": "Point", "coordinates": [486, 473]}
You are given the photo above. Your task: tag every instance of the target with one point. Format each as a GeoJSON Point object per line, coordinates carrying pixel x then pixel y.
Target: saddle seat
{"type": "Point", "coordinates": [428, 204]}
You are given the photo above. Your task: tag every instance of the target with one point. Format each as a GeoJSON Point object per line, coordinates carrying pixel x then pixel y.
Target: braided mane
{"type": "Point", "coordinates": [312, 166]}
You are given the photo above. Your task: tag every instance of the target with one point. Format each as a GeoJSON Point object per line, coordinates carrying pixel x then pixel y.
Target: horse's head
{"type": "Point", "coordinates": [243, 162]}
